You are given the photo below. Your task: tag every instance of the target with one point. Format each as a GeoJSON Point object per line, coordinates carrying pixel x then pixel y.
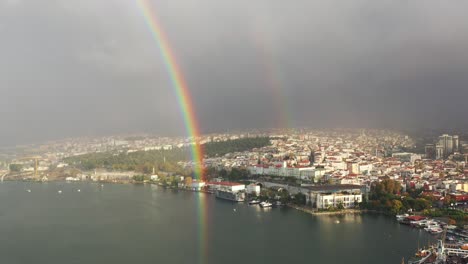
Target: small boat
{"type": "Point", "coordinates": [28, 190]}
{"type": "Point", "coordinates": [265, 204]}
{"type": "Point", "coordinates": [254, 202]}
{"type": "Point", "coordinates": [431, 225]}
{"type": "Point", "coordinates": [78, 190]}
{"type": "Point", "coordinates": [402, 216]}
{"type": "Point", "coordinates": [421, 223]}
{"type": "Point", "coordinates": [278, 204]}
{"type": "Point", "coordinates": [436, 231]}
{"type": "Point", "coordinates": [60, 191]}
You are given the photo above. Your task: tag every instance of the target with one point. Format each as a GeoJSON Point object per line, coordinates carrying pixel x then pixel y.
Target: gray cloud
{"type": "Point", "coordinates": [86, 67]}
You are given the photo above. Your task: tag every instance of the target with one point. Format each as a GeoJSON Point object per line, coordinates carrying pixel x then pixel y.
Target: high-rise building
{"type": "Point", "coordinates": [430, 150]}
{"type": "Point", "coordinates": [439, 151]}
{"type": "Point", "coordinates": [445, 146]}
{"type": "Point", "coordinates": [456, 144]}
{"type": "Point", "coordinates": [446, 141]}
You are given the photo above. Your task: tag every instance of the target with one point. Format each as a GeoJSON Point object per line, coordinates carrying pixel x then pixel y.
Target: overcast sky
{"type": "Point", "coordinates": [90, 67]}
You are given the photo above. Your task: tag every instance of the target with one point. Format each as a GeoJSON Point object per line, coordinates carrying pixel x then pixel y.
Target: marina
{"type": "Point", "coordinates": [451, 246]}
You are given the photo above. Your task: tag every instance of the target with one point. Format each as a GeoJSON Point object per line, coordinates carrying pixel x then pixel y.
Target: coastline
{"type": "Point", "coordinates": [305, 209]}
{"type": "Point", "coordinates": [312, 211]}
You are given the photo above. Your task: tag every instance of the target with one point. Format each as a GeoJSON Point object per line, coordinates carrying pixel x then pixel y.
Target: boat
{"type": "Point", "coordinates": [401, 217]}
{"type": "Point", "coordinates": [278, 204]}
{"type": "Point", "coordinates": [254, 202]}
{"type": "Point", "coordinates": [407, 220]}
{"type": "Point", "coordinates": [436, 230]}
{"type": "Point", "coordinates": [431, 225]}
{"type": "Point", "coordinates": [265, 204]}
{"type": "Point", "coordinates": [231, 196]}
{"type": "Point", "coordinates": [421, 223]}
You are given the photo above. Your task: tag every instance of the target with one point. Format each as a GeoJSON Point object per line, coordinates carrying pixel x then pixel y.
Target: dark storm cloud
{"type": "Point", "coordinates": [88, 67]}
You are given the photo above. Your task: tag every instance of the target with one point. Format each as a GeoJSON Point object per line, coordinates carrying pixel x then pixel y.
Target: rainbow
{"type": "Point", "coordinates": [184, 99]}
{"type": "Point", "coordinates": [272, 73]}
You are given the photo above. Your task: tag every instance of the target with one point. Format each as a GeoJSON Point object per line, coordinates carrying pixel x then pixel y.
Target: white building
{"type": "Point", "coordinates": [154, 177]}
{"type": "Point", "coordinates": [198, 185]}
{"type": "Point", "coordinates": [324, 201]}
{"type": "Point", "coordinates": [253, 189]}
{"type": "Point", "coordinates": [226, 186]}
{"type": "Point", "coordinates": [305, 173]}
{"type": "Point", "coordinates": [326, 196]}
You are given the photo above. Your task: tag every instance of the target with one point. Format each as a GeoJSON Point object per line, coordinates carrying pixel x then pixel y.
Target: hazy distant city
{"type": "Point", "coordinates": [340, 156]}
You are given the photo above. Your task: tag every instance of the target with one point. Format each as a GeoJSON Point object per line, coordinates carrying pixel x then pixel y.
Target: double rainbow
{"type": "Point", "coordinates": [184, 99]}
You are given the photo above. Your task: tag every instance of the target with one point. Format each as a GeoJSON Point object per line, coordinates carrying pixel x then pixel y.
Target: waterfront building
{"type": "Point", "coordinates": [226, 186]}
{"type": "Point", "coordinates": [253, 189]}
{"type": "Point", "coordinates": [197, 185]}
{"type": "Point", "coordinates": [324, 201]}
{"type": "Point", "coordinates": [325, 196]}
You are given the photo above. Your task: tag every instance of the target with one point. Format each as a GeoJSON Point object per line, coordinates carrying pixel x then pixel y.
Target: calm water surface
{"type": "Point", "coordinates": [146, 224]}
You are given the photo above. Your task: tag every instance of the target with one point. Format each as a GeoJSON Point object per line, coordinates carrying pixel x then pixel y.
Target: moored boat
{"type": "Point", "coordinates": [265, 204]}
{"type": "Point", "coordinates": [251, 202]}
{"type": "Point", "coordinates": [401, 217]}
{"type": "Point", "coordinates": [436, 230]}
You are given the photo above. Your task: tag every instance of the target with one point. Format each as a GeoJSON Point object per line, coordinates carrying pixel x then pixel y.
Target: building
{"type": "Point", "coordinates": [325, 196]}
{"type": "Point", "coordinates": [406, 157]}
{"type": "Point", "coordinates": [305, 173]}
{"type": "Point", "coordinates": [430, 151]}
{"type": "Point", "coordinates": [456, 143]}
{"type": "Point", "coordinates": [447, 145]}
{"type": "Point", "coordinates": [197, 185]}
{"type": "Point", "coordinates": [439, 151]}
{"type": "Point", "coordinates": [226, 186]}
{"type": "Point", "coordinates": [253, 189]}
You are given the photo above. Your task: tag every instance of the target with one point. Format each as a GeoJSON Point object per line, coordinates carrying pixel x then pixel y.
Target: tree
{"type": "Point", "coordinates": [16, 167]}
{"type": "Point", "coordinates": [300, 199]}
{"type": "Point", "coordinates": [223, 173]}
{"type": "Point", "coordinates": [421, 204]}
{"type": "Point", "coordinates": [340, 206]}
{"type": "Point", "coordinates": [447, 200]}
{"type": "Point", "coordinates": [188, 181]}
{"type": "Point", "coordinates": [396, 206]}
{"type": "Point", "coordinates": [284, 196]}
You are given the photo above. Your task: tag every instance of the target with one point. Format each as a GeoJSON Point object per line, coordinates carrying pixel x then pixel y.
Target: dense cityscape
{"type": "Point", "coordinates": [315, 171]}
{"type": "Point", "coordinates": [299, 158]}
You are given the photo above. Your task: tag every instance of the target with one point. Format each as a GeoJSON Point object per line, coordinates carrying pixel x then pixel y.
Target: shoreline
{"type": "Point", "coordinates": [315, 212]}
{"type": "Point", "coordinates": [304, 209]}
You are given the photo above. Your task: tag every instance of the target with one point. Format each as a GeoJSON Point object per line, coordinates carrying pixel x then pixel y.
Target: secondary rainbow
{"type": "Point", "coordinates": [184, 99]}
{"type": "Point", "coordinates": [263, 43]}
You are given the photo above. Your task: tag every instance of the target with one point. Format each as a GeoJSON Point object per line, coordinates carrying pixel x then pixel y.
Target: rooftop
{"type": "Point", "coordinates": [336, 188]}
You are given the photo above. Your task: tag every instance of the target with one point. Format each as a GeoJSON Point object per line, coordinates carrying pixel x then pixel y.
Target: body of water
{"type": "Point", "coordinates": [121, 224]}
